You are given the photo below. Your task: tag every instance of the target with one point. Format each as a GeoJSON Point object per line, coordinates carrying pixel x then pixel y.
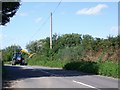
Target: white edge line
{"type": "Point", "coordinates": [83, 84]}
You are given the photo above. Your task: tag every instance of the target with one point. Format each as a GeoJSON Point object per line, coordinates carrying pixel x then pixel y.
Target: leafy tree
{"type": "Point", "coordinates": [69, 40]}
{"type": "Point", "coordinates": [70, 53]}
{"type": "Point", "coordinates": [8, 52]}
{"type": "Point", "coordinates": [8, 10]}
{"type": "Point", "coordinates": [74, 47]}
{"type": "Point", "coordinates": [39, 46]}
{"type": "Point", "coordinates": [87, 42]}
{"type": "Point", "coordinates": [32, 47]}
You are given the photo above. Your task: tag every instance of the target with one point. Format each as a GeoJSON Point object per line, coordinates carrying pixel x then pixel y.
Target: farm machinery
{"type": "Point", "coordinates": [18, 57]}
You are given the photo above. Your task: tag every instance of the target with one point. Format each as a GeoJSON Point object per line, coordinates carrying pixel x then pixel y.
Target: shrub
{"type": "Point", "coordinates": [107, 68]}
{"type": "Point", "coordinates": [42, 60]}
{"type": "Point", "coordinates": [84, 66]}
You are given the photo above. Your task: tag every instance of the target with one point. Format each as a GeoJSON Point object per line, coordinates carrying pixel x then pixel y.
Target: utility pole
{"type": "Point", "coordinates": [51, 30]}
{"type": "Point", "coordinates": [15, 48]}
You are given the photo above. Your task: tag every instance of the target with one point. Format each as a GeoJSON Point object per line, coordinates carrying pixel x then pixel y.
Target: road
{"type": "Point", "coordinates": [44, 77]}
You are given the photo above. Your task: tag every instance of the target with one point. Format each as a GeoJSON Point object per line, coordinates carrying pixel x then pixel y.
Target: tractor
{"type": "Point", "coordinates": [18, 58]}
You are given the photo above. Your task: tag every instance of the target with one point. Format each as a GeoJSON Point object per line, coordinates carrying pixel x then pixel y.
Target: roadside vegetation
{"type": "Point", "coordinates": [76, 52]}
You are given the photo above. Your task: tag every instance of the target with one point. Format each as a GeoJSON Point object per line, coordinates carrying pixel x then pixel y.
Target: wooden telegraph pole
{"type": "Point", "coordinates": [51, 31]}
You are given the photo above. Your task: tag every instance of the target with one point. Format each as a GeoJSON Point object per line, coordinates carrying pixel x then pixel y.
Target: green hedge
{"type": "Point", "coordinates": [107, 68]}
{"type": "Point", "coordinates": [89, 67]}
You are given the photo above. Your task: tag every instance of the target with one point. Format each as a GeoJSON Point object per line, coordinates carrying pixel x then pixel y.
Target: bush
{"type": "Point", "coordinates": [107, 68]}
{"type": "Point", "coordinates": [84, 66]}
{"type": "Point", "coordinates": [70, 54]}
{"type": "Point", "coordinates": [45, 61]}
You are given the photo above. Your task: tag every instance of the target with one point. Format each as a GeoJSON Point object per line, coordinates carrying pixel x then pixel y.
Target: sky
{"type": "Point", "coordinates": [32, 22]}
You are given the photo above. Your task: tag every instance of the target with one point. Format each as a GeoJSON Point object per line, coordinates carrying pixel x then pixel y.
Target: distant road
{"type": "Point", "coordinates": [44, 77]}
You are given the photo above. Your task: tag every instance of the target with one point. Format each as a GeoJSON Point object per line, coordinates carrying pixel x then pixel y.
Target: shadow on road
{"type": "Point", "coordinates": [18, 73]}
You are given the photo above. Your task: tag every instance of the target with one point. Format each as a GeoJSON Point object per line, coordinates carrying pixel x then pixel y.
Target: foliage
{"type": "Point", "coordinates": [44, 61]}
{"type": "Point", "coordinates": [8, 52]}
{"type": "Point", "coordinates": [87, 42]}
{"type": "Point", "coordinates": [73, 46]}
{"type": "Point", "coordinates": [72, 51]}
{"type": "Point", "coordinates": [8, 10]}
{"type": "Point", "coordinates": [76, 52]}
{"type": "Point", "coordinates": [85, 66]}
{"type": "Point", "coordinates": [107, 68]}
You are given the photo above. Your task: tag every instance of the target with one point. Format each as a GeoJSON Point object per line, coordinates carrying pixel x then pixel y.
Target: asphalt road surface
{"type": "Point", "coordinates": [44, 77]}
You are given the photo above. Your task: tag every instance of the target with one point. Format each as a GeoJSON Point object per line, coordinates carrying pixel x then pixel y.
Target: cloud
{"type": "Point", "coordinates": [92, 11]}
{"type": "Point", "coordinates": [38, 20]}
{"type": "Point", "coordinates": [23, 14]}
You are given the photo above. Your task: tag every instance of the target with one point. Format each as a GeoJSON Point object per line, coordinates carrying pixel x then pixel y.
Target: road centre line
{"type": "Point", "coordinates": [73, 80]}
{"type": "Point", "coordinates": [83, 84]}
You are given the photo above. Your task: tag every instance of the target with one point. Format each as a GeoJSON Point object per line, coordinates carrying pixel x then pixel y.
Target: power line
{"type": "Point", "coordinates": [43, 24]}
{"type": "Point", "coordinates": [57, 7]}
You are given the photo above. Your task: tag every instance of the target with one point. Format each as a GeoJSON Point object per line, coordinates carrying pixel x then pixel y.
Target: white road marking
{"type": "Point", "coordinates": [73, 80]}
{"type": "Point", "coordinates": [83, 84]}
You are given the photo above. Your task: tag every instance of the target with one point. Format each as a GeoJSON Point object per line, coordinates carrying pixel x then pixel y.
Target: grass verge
{"type": "Point", "coordinates": [107, 68]}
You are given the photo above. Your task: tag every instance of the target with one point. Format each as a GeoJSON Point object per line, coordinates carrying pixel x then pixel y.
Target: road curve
{"type": "Point", "coordinates": [44, 77]}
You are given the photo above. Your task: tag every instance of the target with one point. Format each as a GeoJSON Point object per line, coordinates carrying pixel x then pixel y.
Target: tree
{"type": "Point", "coordinates": [8, 10]}
{"type": "Point", "coordinates": [87, 41]}
{"type": "Point", "coordinates": [32, 47]}
{"type": "Point", "coordinates": [8, 52]}
{"type": "Point", "coordinates": [69, 40]}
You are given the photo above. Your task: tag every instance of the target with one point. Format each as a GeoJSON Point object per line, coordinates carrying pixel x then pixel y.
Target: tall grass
{"type": "Point", "coordinates": [44, 61]}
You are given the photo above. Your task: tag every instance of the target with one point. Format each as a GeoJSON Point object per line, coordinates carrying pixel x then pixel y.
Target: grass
{"type": "Point", "coordinates": [8, 62]}
{"type": "Point", "coordinates": [43, 61]}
